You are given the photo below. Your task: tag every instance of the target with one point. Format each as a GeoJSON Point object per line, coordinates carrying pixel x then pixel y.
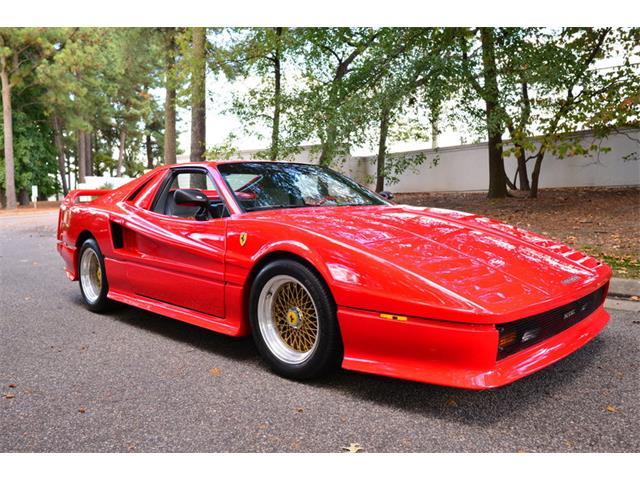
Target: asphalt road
{"type": "Point", "coordinates": [135, 381]}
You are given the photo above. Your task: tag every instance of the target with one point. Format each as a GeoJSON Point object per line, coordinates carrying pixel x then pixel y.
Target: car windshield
{"type": "Point", "coordinates": [266, 186]}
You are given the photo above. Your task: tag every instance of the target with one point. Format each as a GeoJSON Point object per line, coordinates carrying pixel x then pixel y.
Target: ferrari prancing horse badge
{"type": "Point", "coordinates": [243, 238]}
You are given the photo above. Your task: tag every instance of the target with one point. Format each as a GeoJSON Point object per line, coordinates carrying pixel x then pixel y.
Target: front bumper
{"type": "Point", "coordinates": [451, 354]}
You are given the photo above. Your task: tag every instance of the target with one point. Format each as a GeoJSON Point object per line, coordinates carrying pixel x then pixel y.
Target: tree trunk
{"type": "Point", "coordinates": [331, 132]}
{"type": "Point", "coordinates": [497, 175]}
{"type": "Point", "coordinates": [24, 198]}
{"type": "Point", "coordinates": [524, 119]}
{"type": "Point", "coordinates": [123, 139]}
{"type": "Point", "coordinates": [149, 146]}
{"type": "Point", "coordinates": [81, 157]}
{"type": "Point", "coordinates": [198, 95]}
{"type": "Point", "coordinates": [170, 102]}
{"type": "Point", "coordinates": [57, 138]}
{"type": "Point", "coordinates": [329, 144]}
{"type": "Point", "coordinates": [9, 165]}
{"type": "Point", "coordinates": [523, 175]}
{"type": "Point", "coordinates": [68, 171]}
{"type": "Point", "coordinates": [382, 149]}
{"type": "Point", "coordinates": [535, 175]}
{"type": "Point", "coordinates": [435, 131]}
{"type": "Point", "coordinates": [521, 158]}
{"type": "Point", "coordinates": [277, 99]}
{"type": "Point", "coordinates": [88, 153]}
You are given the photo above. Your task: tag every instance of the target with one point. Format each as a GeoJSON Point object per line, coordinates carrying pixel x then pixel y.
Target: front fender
{"type": "Point", "coordinates": [356, 278]}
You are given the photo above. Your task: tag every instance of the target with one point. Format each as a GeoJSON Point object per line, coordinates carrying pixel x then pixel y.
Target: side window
{"type": "Point", "coordinates": [199, 180]}
{"type": "Point", "coordinates": [165, 204]}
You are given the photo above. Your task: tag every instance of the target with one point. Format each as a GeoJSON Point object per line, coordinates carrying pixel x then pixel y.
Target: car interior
{"type": "Point", "coordinates": [165, 202]}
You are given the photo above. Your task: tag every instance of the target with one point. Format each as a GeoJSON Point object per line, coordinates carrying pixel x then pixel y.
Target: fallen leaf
{"type": "Point", "coordinates": [612, 409]}
{"type": "Point", "coordinates": [299, 410]}
{"type": "Point", "coordinates": [215, 372]}
{"type": "Point", "coordinates": [353, 448]}
{"type": "Point", "coordinates": [452, 403]}
{"type": "Point", "coordinates": [8, 395]}
{"type": "Point", "coordinates": [82, 410]}
{"type": "Point", "coordinates": [12, 385]}
{"type": "Point", "coordinates": [635, 298]}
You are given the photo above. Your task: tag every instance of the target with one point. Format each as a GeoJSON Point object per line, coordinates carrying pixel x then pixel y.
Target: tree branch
{"type": "Point", "coordinates": [467, 70]}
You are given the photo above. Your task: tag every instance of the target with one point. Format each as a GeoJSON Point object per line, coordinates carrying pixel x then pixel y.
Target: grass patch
{"type": "Point", "coordinates": [626, 266]}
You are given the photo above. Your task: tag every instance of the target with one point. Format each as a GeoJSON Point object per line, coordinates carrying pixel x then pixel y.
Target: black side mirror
{"type": "Point", "coordinates": [192, 197]}
{"type": "Point", "coordinates": [387, 195]}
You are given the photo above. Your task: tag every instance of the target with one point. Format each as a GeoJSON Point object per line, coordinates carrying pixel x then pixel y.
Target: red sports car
{"type": "Point", "coordinates": [324, 273]}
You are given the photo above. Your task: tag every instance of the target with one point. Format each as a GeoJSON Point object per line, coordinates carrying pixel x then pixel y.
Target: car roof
{"type": "Point", "coordinates": [215, 163]}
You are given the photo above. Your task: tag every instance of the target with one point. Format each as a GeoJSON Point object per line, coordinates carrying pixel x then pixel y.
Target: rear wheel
{"type": "Point", "coordinates": [93, 280]}
{"type": "Point", "coordinates": [294, 321]}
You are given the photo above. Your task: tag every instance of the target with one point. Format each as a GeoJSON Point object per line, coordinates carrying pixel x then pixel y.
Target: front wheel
{"type": "Point", "coordinates": [294, 322]}
{"type": "Point", "coordinates": [93, 279]}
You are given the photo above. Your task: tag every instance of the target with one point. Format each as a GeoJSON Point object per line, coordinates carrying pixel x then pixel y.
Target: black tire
{"type": "Point", "coordinates": [328, 352]}
{"type": "Point", "coordinates": [101, 303]}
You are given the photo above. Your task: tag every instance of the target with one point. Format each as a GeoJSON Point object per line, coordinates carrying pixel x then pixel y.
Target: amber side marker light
{"type": "Point", "coordinates": [507, 339]}
{"type": "Point", "coordinates": [389, 316]}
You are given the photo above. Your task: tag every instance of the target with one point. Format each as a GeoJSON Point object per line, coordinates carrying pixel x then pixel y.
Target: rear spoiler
{"type": "Point", "coordinates": [74, 195]}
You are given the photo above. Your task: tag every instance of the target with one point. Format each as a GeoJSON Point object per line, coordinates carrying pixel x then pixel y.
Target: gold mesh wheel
{"type": "Point", "coordinates": [288, 319]}
{"type": "Point", "coordinates": [295, 316]}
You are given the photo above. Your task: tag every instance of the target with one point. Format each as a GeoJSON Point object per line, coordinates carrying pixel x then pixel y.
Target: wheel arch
{"type": "Point", "coordinates": [82, 237]}
{"type": "Point", "coordinates": [273, 256]}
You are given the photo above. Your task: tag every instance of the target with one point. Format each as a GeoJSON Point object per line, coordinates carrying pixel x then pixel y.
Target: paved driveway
{"type": "Point", "coordinates": [135, 381]}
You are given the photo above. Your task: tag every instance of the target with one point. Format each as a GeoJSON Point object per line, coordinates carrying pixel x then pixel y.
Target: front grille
{"type": "Point", "coordinates": [521, 334]}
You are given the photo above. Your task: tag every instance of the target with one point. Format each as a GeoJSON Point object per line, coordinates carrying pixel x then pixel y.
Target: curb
{"type": "Point", "coordinates": [624, 287]}
{"type": "Point", "coordinates": [625, 305]}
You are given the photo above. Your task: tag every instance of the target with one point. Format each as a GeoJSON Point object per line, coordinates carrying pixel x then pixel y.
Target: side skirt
{"type": "Point", "coordinates": [203, 320]}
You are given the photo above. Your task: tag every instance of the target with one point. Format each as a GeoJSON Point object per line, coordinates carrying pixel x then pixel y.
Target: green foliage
{"type": "Point", "coordinates": [223, 151]}
{"type": "Point", "coordinates": [103, 82]}
{"type": "Point", "coordinates": [34, 153]}
{"type": "Point", "coordinates": [397, 164]}
{"type": "Point", "coordinates": [551, 85]}
{"type": "Point", "coordinates": [260, 55]}
{"type": "Point", "coordinates": [329, 86]}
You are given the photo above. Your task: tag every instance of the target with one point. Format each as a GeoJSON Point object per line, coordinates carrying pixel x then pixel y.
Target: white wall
{"type": "Point", "coordinates": [466, 167]}
{"type": "Point", "coordinates": [96, 183]}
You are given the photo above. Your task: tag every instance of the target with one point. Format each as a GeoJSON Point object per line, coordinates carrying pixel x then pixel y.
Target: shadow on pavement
{"type": "Point", "coordinates": [465, 406]}
{"type": "Point", "coordinates": [471, 407]}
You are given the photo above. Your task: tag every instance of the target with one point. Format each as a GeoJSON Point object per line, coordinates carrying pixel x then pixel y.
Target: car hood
{"type": "Point", "coordinates": [492, 265]}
